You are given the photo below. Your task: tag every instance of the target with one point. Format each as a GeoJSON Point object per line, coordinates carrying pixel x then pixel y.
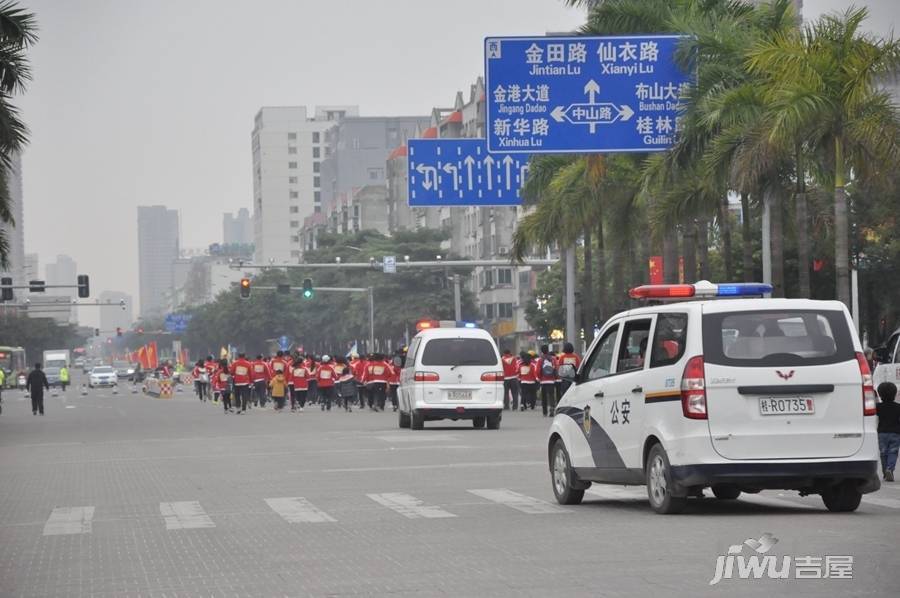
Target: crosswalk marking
{"type": "Point", "coordinates": [298, 510]}
{"type": "Point", "coordinates": [890, 503]}
{"type": "Point", "coordinates": [410, 506]}
{"type": "Point", "coordinates": [69, 520]}
{"type": "Point", "coordinates": [519, 502]}
{"type": "Point", "coordinates": [185, 515]}
{"type": "Point", "coordinates": [632, 493]}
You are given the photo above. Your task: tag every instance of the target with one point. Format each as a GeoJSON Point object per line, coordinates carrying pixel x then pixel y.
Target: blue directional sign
{"type": "Point", "coordinates": [284, 343]}
{"type": "Point", "coordinates": [583, 94]}
{"type": "Point", "coordinates": [461, 172]}
{"type": "Point", "coordinates": [177, 322]}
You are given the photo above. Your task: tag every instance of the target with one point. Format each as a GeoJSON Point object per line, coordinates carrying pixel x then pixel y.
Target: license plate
{"type": "Point", "coordinates": [787, 406]}
{"type": "Point", "coordinates": [459, 395]}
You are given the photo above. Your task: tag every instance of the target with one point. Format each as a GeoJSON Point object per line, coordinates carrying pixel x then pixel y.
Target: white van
{"type": "Point", "coordinates": [736, 395]}
{"type": "Point", "coordinates": [888, 368]}
{"type": "Point", "coordinates": [451, 373]}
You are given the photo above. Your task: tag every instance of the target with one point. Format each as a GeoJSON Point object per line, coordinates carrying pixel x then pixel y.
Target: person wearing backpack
{"type": "Point", "coordinates": [547, 377]}
{"type": "Point", "coordinates": [528, 378]}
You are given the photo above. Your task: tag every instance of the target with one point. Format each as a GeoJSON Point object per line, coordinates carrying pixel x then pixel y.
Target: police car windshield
{"type": "Point", "coordinates": [773, 338]}
{"type": "Point", "coordinates": [459, 351]}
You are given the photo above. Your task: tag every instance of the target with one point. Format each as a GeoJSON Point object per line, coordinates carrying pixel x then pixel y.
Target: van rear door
{"type": "Point", "coordinates": [782, 384]}
{"type": "Point", "coordinates": [460, 363]}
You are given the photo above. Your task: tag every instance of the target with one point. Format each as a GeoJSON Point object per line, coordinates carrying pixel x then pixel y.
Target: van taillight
{"type": "Point", "coordinates": [693, 389]}
{"type": "Point", "coordinates": [868, 387]}
{"type": "Point", "coordinates": [492, 377]}
{"type": "Point", "coordinates": [426, 377]}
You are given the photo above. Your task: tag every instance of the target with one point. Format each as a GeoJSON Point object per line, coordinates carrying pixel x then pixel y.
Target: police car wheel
{"type": "Point", "coordinates": [478, 422]}
{"type": "Point", "coordinates": [659, 483]}
{"type": "Point", "coordinates": [563, 477]}
{"type": "Point", "coordinates": [417, 421]}
{"type": "Point", "coordinates": [404, 420]}
{"type": "Point", "coordinates": [726, 492]}
{"type": "Point", "coordinates": [842, 498]}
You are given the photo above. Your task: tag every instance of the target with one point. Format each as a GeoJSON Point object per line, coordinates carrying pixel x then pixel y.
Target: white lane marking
{"type": "Point", "coordinates": [69, 520]}
{"type": "Point", "coordinates": [890, 503]}
{"type": "Point", "coordinates": [298, 510]}
{"type": "Point", "coordinates": [519, 502]}
{"type": "Point", "coordinates": [417, 437]}
{"type": "Point", "coordinates": [70, 406]}
{"type": "Point", "coordinates": [441, 466]}
{"type": "Point", "coordinates": [616, 492]}
{"type": "Point", "coordinates": [185, 515]}
{"type": "Point", "coordinates": [410, 506]}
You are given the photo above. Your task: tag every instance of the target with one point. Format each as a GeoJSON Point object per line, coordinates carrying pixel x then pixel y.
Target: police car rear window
{"type": "Point", "coordinates": [774, 338]}
{"type": "Point", "coordinates": [459, 351]}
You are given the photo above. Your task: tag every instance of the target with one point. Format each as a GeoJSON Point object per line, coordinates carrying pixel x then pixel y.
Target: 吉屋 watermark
{"type": "Point", "coordinates": [758, 564]}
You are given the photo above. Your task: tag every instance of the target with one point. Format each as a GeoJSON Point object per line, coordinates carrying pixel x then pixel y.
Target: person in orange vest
{"type": "Point", "coordinates": [394, 378]}
{"type": "Point", "coordinates": [528, 378]}
{"type": "Point", "coordinates": [377, 377]}
{"type": "Point", "coordinates": [325, 382]}
{"type": "Point", "coordinates": [510, 380]}
{"type": "Point", "coordinates": [222, 385]}
{"type": "Point", "coordinates": [312, 393]}
{"type": "Point", "coordinates": [278, 385]}
{"type": "Point", "coordinates": [300, 378]}
{"type": "Point", "coordinates": [259, 377]}
{"type": "Point", "coordinates": [197, 374]}
{"type": "Point", "coordinates": [547, 377]}
{"type": "Point", "coordinates": [240, 375]}
{"type": "Point", "coordinates": [210, 365]}
{"type": "Point", "coordinates": [569, 362]}
{"type": "Point", "coordinates": [360, 367]}
{"type": "Point", "coordinates": [346, 385]}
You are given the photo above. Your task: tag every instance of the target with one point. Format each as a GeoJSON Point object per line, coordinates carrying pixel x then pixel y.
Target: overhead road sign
{"type": "Point", "coordinates": [461, 172]}
{"type": "Point", "coordinates": [177, 322]}
{"type": "Point", "coordinates": [583, 94]}
{"type": "Point", "coordinates": [389, 264]}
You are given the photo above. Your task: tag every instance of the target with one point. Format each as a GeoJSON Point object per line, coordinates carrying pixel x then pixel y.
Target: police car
{"type": "Point", "coordinates": [888, 357]}
{"type": "Point", "coordinates": [737, 396]}
{"type": "Point", "coordinates": [451, 372]}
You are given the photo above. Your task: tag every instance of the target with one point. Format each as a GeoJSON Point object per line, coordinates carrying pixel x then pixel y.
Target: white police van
{"type": "Point", "coordinates": [888, 357]}
{"type": "Point", "coordinates": [739, 395]}
{"type": "Point", "coordinates": [451, 373]}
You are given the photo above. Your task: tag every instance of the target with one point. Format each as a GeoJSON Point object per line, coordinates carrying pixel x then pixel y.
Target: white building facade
{"type": "Point", "coordinates": [158, 248]}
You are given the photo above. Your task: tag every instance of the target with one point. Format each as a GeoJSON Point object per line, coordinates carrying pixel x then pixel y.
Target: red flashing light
{"type": "Point", "coordinates": [427, 324]}
{"type": "Point", "coordinates": [662, 291]}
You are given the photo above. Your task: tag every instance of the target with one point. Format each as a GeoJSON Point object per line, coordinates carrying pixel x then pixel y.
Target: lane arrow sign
{"type": "Point", "coordinates": [559, 114]}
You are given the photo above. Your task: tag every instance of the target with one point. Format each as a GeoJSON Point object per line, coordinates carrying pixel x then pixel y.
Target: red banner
{"type": "Point", "coordinates": [142, 358]}
{"type": "Point", "coordinates": [152, 356]}
{"type": "Point", "coordinates": [656, 269]}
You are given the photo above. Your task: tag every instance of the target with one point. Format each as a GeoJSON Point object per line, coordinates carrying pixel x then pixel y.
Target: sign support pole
{"type": "Point", "coordinates": [570, 294]}
{"type": "Point", "coordinates": [457, 301]}
{"type": "Point", "coordinates": [371, 320]}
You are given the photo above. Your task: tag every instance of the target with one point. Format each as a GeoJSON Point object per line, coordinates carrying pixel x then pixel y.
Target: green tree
{"type": "Point", "coordinates": [37, 335]}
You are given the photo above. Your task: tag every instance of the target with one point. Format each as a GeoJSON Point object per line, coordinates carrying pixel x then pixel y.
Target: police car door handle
{"type": "Point", "coordinates": [598, 394]}
{"type": "Point", "coordinates": [637, 389]}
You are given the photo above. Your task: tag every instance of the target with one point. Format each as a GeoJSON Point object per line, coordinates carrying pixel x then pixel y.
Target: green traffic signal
{"type": "Point", "coordinates": [307, 288]}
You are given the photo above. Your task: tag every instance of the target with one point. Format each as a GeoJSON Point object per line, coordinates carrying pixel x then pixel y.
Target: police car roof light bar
{"type": "Point", "coordinates": [703, 289]}
{"type": "Point", "coordinates": [662, 291]}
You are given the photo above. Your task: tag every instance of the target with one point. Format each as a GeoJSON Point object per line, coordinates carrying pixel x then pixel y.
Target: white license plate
{"type": "Point", "coordinates": [459, 395]}
{"type": "Point", "coordinates": [787, 406]}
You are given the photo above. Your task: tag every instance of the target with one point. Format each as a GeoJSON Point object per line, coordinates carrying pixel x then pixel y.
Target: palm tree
{"type": "Point", "coordinates": [821, 89]}
{"type": "Point", "coordinates": [18, 31]}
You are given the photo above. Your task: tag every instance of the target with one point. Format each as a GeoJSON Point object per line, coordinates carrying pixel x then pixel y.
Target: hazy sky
{"type": "Point", "coordinates": [141, 102]}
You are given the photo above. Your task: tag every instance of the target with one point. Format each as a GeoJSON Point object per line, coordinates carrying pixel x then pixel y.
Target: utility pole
{"type": "Point", "coordinates": [767, 238]}
{"type": "Point", "coordinates": [570, 294]}
{"type": "Point", "coordinates": [371, 319]}
{"type": "Point", "coordinates": [457, 300]}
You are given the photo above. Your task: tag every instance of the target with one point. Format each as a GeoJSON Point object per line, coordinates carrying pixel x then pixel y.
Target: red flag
{"type": "Point", "coordinates": [152, 356]}
{"type": "Point", "coordinates": [142, 357]}
{"type": "Point", "coordinates": [656, 269]}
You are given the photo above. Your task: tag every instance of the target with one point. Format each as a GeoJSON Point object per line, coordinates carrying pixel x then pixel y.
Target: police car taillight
{"type": "Point", "coordinates": [492, 377]}
{"type": "Point", "coordinates": [693, 389]}
{"type": "Point", "coordinates": [426, 377]}
{"type": "Point", "coordinates": [868, 386]}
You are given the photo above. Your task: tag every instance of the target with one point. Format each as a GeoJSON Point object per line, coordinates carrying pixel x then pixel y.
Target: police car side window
{"type": "Point", "coordinates": [669, 339]}
{"type": "Point", "coordinates": [633, 349]}
{"type": "Point", "coordinates": [413, 349]}
{"type": "Point", "coordinates": [602, 358]}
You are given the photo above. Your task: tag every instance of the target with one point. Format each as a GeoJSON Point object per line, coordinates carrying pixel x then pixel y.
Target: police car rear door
{"type": "Point", "coordinates": [782, 382]}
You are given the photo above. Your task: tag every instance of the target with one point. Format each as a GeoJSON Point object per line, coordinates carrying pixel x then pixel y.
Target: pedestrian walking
{"type": "Point", "coordinates": [197, 374]}
{"type": "Point", "coordinates": [240, 377]}
{"type": "Point", "coordinates": [394, 379]}
{"type": "Point", "coordinates": [278, 386]}
{"type": "Point", "coordinates": [222, 385]}
{"type": "Point", "coordinates": [569, 362]}
{"type": "Point", "coordinates": [888, 428]}
{"type": "Point", "coordinates": [325, 382]}
{"type": "Point", "coordinates": [35, 385]}
{"type": "Point", "coordinates": [346, 384]}
{"type": "Point", "coordinates": [377, 381]}
{"type": "Point", "coordinates": [63, 377]}
{"type": "Point", "coordinates": [300, 378]}
{"type": "Point", "coordinates": [312, 392]}
{"type": "Point", "coordinates": [360, 368]}
{"type": "Point", "coordinates": [510, 380]}
{"type": "Point", "coordinates": [528, 379]}
{"type": "Point", "coordinates": [259, 377]}
{"type": "Point", "coordinates": [547, 377]}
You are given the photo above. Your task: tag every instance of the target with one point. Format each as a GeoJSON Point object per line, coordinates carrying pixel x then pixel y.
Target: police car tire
{"type": "Point", "coordinates": [726, 492]}
{"type": "Point", "coordinates": [567, 495]}
{"type": "Point", "coordinates": [417, 421]}
{"type": "Point", "coordinates": [478, 422]}
{"type": "Point", "coordinates": [842, 498]}
{"type": "Point", "coordinates": [658, 465]}
{"type": "Point", "coordinates": [404, 419]}
{"type": "Point", "coordinates": [493, 422]}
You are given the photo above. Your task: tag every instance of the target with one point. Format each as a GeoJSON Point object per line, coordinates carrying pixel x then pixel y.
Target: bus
{"type": "Point", "coordinates": [13, 363]}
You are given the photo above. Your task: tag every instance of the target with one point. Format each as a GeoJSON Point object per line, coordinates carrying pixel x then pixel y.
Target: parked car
{"type": "Point", "coordinates": [124, 370]}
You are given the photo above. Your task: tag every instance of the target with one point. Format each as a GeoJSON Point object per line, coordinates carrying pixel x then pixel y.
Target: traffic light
{"type": "Point", "coordinates": [96, 332]}
{"type": "Point", "coordinates": [84, 286]}
{"type": "Point", "coordinates": [307, 288]}
{"type": "Point", "coordinates": [6, 293]}
{"type": "Point", "coordinates": [118, 331]}
{"type": "Point", "coordinates": [36, 286]}
{"type": "Point", "coordinates": [245, 288]}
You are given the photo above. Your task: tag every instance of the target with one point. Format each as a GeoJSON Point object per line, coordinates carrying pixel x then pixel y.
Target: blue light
{"type": "Point", "coordinates": [466, 325]}
{"type": "Point", "coordinates": [743, 289]}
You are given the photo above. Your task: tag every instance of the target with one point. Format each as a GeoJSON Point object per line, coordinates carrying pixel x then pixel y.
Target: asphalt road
{"type": "Point", "coordinates": [125, 495]}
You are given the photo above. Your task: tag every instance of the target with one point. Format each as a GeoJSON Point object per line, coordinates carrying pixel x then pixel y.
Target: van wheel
{"type": "Point", "coordinates": [562, 477]}
{"type": "Point", "coordinates": [404, 420]}
{"type": "Point", "coordinates": [478, 422]}
{"type": "Point", "coordinates": [659, 483]}
{"type": "Point", "coordinates": [493, 422]}
{"type": "Point", "coordinates": [417, 421]}
{"type": "Point", "coordinates": [726, 491]}
{"type": "Point", "coordinates": [842, 498]}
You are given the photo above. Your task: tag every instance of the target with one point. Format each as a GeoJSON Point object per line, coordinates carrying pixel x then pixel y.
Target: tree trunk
{"type": "Point", "coordinates": [746, 241]}
{"type": "Point", "coordinates": [703, 249]}
{"type": "Point", "coordinates": [619, 292]}
{"type": "Point", "coordinates": [689, 251]}
{"type": "Point", "coordinates": [670, 256]}
{"type": "Point", "coordinates": [587, 293]}
{"type": "Point", "coordinates": [841, 229]}
{"type": "Point", "coordinates": [725, 228]}
{"type": "Point", "coordinates": [803, 245]}
{"type": "Point", "coordinates": [602, 312]}
{"type": "Point", "coordinates": [639, 257]}
{"type": "Point", "coordinates": [777, 212]}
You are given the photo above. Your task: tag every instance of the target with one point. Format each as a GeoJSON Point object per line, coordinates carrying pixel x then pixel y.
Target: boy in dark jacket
{"type": "Point", "coordinates": [888, 428]}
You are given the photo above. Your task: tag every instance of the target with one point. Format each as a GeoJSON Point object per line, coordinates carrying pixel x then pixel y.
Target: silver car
{"type": "Point", "coordinates": [103, 375]}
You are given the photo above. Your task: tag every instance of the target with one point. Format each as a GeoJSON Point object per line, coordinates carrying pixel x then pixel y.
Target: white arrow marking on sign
{"type": "Point", "coordinates": [469, 161]}
{"type": "Point", "coordinates": [559, 114]}
{"type": "Point", "coordinates": [507, 161]}
{"type": "Point", "coordinates": [425, 171]}
{"type": "Point", "coordinates": [452, 169]}
{"type": "Point", "coordinates": [625, 112]}
{"type": "Point", "coordinates": [591, 88]}
{"type": "Point", "coordinates": [522, 170]}
{"type": "Point", "coordinates": [489, 165]}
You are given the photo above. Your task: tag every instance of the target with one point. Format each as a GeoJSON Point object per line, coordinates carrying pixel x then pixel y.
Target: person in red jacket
{"type": "Point", "coordinates": [569, 362]}
{"type": "Point", "coordinates": [547, 377]}
{"type": "Point", "coordinates": [360, 368]}
{"type": "Point", "coordinates": [325, 381]}
{"type": "Point", "coordinates": [259, 376]}
{"type": "Point", "coordinates": [222, 385]}
{"type": "Point", "coordinates": [528, 379]}
{"type": "Point", "coordinates": [394, 378]}
{"type": "Point", "coordinates": [211, 366]}
{"type": "Point", "coordinates": [377, 376]}
{"type": "Point", "coordinates": [240, 375]}
{"type": "Point", "coordinates": [510, 380]}
{"type": "Point", "coordinates": [300, 383]}
{"type": "Point", "coordinates": [197, 374]}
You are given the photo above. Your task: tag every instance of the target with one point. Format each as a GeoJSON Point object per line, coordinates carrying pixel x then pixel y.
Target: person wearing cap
{"type": "Point", "coordinates": [569, 362]}
{"type": "Point", "coordinates": [510, 380]}
{"type": "Point", "coordinates": [299, 378]}
{"type": "Point", "coordinates": [324, 377]}
{"type": "Point", "coordinates": [240, 375]}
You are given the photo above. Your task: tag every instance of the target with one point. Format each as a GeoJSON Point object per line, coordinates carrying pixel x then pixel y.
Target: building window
{"type": "Point", "coordinates": [315, 137]}
{"type": "Point", "coordinates": [294, 209]}
{"type": "Point", "coordinates": [295, 224]}
{"type": "Point", "coordinates": [317, 182]}
{"type": "Point", "coordinates": [317, 196]}
{"type": "Point", "coordinates": [292, 150]}
{"type": "Point", "coordinates": [294, 194]}
{"type": "Point", "coordinates": [292, 180]}
{"type": "Point", "coordinates": [504, 276]}
{"type": "Point", "coordinates": [487, 278]}
{"type": "Point", "coordinates": [292, 165]}
{"type": "Point", "coordinates": [317, 151]}
{"type": "Point", "coordinates": [292, 136]}
{"type": "Point", "coordinates": [488, 311]}
{"type": "Point", "coordinates": [505, 310]}
{"type": "Point", "coordinates": [317, 166]}
{"type": "Point", "coordinates": [327, 151]}
{"type": "Point", "coordinates": [376, 174]}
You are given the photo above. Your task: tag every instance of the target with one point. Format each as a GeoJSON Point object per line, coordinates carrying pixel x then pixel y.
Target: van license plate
{"type": "Point", "coordinates": [459, 395]}
{"type": "Point", "coordinates": [787, 406]}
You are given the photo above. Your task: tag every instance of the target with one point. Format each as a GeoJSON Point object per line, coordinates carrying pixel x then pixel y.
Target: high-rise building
{"type": "Point", "coordinates": [158, 248]}
{"type": "Point", "coordinates": [237, 230]}
{"type": "Point", "coordinates": [32, 267]}
{"type": "Point", "coordinates": [64, 271]}
{"type": "Point", "coordinates": [115, 317]}
{"type": "Point", "coordinates": [288, 148]}
{"type": "Point", "coordinates": [15, 231]}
